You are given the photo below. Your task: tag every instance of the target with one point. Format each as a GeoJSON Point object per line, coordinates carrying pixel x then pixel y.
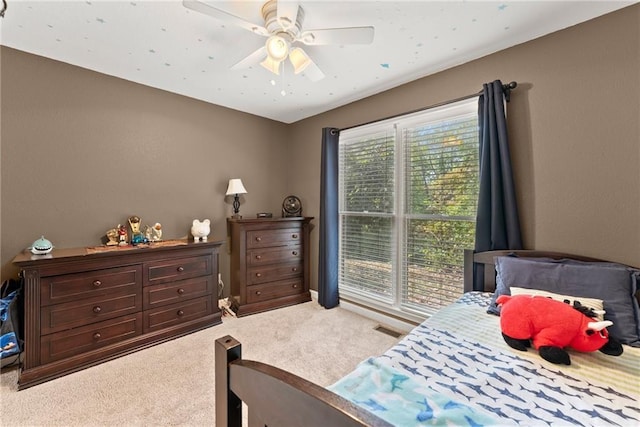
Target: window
{"type": "Point", "coordinates": [408, 194]}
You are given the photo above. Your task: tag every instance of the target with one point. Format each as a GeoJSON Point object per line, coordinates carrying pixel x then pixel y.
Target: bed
{"type": "Point", "coordinates": [456, 369]}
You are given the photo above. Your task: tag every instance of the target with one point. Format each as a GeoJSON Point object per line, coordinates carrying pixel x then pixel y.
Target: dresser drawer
{"type": "Point", "coordinates": [170, 293]}
{"type": "Point", "coordinates": [278, 237]}
{"type": "Point", "coordinates": [271, 273]}
{"type": "Point", "coordinates": [80, 340]}
{"type": "Point", "coordinates": [274, 255]}
{"type": "Point", "coordinates": [268, 291]}
{"type": "Point", "coordinates": [59, 317]}
{"type": "Point", "coordinates": [173, 269]}
{"type": "Point", "coordinates": [71, 287]}
{"type": "Point", "coordinates": [163, 317]}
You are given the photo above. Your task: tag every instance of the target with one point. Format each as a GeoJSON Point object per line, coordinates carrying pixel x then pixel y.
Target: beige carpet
{"type": "Point", "coordinates": [172, 384]}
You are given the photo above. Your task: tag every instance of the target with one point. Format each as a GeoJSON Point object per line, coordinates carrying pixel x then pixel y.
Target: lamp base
{"type": "Point", "coordinates": [236, 207]}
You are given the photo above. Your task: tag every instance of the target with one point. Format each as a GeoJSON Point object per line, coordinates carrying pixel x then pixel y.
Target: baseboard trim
{"type": "Point", "coordinates": [392, 322]}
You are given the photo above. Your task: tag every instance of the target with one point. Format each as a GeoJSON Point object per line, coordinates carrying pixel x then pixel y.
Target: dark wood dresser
{"type": "Point", "coordinates": [269, 263]}
{"type": "Point", "coordinates": [84, 307]}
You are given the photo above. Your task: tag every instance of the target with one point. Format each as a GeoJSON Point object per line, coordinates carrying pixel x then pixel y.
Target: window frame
{"type": "Point", "coordinates": [399, 213]}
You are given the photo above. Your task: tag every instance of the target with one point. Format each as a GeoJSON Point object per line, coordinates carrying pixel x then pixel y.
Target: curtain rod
{"type": "Point", "coordinates": [506, 89]}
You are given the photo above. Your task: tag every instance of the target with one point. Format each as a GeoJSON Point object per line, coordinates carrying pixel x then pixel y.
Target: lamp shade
{"type": "Point", "coordinates": [235, 187]}
{"type": "Point", "coordinates": [277, 48]}
{"type": "Point", "coordinates": [299, 60]}
{"type": "Point", "coordinates": [271, 65]}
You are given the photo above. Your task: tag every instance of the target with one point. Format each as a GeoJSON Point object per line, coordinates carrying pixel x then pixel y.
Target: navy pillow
{"type": "Point", "coordinates": [615, 284]}
{"type": "Point", "coordinates": [503, 288]}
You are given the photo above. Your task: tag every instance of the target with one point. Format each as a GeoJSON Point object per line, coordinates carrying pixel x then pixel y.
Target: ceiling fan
{"type": "Point", "coordinates": [283, 28]}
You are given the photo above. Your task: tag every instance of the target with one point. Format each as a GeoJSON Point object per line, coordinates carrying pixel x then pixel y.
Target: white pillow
{"type": "Point", "coordinates": [595, 304]}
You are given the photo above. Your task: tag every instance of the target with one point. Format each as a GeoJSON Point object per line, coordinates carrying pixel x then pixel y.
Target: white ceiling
{"type": "Point", "coordinates": [164, 45]}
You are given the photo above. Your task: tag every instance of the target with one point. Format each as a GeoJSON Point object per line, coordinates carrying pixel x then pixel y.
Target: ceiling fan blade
{"type": "Point", "coordinates": [252, 59]}
{"type": "Point", "coordinates": [348, 35]}
{"type": "Point", "coordinates": [313, 72]}
{"type": "Point", "coordinates": [220, 14]}
{"type": "Point", "coordinates": [287, 12]}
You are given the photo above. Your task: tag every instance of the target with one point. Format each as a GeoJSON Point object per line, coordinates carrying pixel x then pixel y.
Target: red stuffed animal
{"type": "Point", "coordinates": [553, 325]}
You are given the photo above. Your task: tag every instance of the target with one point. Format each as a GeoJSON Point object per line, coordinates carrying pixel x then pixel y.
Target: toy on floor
{"type": "Point", "coordinates": [553, 326]}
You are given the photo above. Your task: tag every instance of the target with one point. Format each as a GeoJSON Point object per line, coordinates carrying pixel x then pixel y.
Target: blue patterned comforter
{"type": "Point", "coordinates": [455, 369]}
{"type": "Point", "coordinates": [397, 398]}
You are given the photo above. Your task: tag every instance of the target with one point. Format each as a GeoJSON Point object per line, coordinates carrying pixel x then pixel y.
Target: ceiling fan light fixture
{"type": "Point", "coordinates": [277, 47]}
{"type": "Point", "coordinates": [299, 59]}
{"type": "Point", "coordinates": [271, 65]}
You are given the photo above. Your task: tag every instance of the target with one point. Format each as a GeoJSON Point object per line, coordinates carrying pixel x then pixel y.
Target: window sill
{"type": "Point", "coordinates": [399, 321]}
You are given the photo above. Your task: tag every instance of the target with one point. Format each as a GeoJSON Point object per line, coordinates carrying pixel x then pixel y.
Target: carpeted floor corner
{"type": "Point", "coordinates": [172, 384]}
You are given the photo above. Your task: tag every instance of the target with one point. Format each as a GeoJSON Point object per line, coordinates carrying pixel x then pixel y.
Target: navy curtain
{"type": "Point", "coordinates": [328, 254]}
{"type": "Point", "coordinates": [497, 223]}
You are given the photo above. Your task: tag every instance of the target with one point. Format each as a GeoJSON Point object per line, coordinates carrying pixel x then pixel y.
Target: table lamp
{"type": "Point", "coordinates": [234, 189]}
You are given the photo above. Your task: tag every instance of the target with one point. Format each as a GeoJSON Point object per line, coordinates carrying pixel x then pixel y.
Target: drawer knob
{"type": "Point", "coordinates": [258, 274]}
{"type": "Point", "coordinates": [258, 256]}
{"type": "Point", "coordinates": [97, 309]}
{"type": "Point", "coordinates": [295, 236]}
{"type": "Point", "coordinates": [180, 313]}
{"type": "Point", "coordinates": [258, 293]}
{"type": "Point", "coordinates": [97, 283]}
{"type": "Point", "coordinates": [294, 269]}
{"type": "Point", "coordinates": [180, 269]}
{"type": "Point", "coordinates": [97, 336]}
{"type": "Point", "coordinates": [181, 291]}
{"type": "Point", "coordinates": [295, 253]}
{"type": "Point", "coordinates": [258, 239]}
{"type": "Point", "coordinates": [295, 286]}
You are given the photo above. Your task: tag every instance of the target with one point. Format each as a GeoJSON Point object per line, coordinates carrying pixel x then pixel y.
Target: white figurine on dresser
{"type": "Point", "coordinates": [200, 230]}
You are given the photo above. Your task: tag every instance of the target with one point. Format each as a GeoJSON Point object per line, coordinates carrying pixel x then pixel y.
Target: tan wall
{"type": "Point", "coordinates": [574, 130]}
{"type": "Point", "coordinates": [82, 151]}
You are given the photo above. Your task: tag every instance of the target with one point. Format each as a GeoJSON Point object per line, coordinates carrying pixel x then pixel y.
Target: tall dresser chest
{"type": "Point", "coordinates": [269, 262]}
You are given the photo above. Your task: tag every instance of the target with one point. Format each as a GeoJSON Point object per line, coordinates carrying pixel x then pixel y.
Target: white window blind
{"type": "Point", "coordinates": [367, 177]}
{"type": "Point", "coordinates": [408, 194]}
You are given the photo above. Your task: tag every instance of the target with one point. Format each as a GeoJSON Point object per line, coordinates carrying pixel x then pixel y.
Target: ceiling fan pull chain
{"type": "Point", "coordinates": [283, 92]}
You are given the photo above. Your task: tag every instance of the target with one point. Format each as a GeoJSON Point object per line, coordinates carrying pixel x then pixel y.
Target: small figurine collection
{"type": "Point", "coordinates": [136, 234]}
{"type": "Point", "coordinates": [120, 236]}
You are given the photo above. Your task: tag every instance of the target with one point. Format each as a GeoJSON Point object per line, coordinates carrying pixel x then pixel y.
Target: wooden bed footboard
{"type": "Point", "coordinates": [275, 397]}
